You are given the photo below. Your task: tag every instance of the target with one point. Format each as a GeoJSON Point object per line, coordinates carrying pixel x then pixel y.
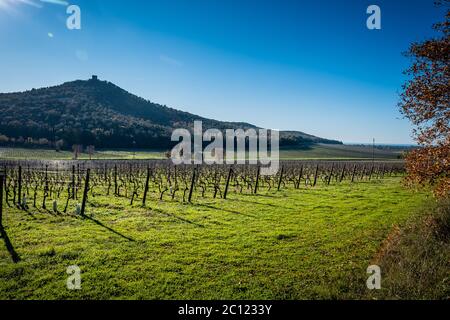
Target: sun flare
{"type": "Point", "coordinates": [9, 5]}
{"type": "Point", "coordinates": [4, 4]}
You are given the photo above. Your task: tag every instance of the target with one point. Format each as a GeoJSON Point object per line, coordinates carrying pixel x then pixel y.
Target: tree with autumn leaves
{"type": "Point", "coordinates": [425, 102]}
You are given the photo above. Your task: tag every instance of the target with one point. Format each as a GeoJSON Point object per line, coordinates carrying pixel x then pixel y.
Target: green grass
{"type": "Point", "coordinates": [415, 259]}
{"type": "Point", "coordinates": [315, 152]}
{"type": "Point", "coordinates": [46, 154]}
{"type": "Point", "coordinates": [294, 244]}
{"type": "Point", "coordinates": [339, 152]}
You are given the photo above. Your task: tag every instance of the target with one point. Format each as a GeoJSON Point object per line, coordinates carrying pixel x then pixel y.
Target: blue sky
{"type": "Point", "coordinates": [306, 65]}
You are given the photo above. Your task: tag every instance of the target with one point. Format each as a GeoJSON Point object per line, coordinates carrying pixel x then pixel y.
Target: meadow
{"type": "Point", "coordinates": [313, 152]}
{"type": "Point", "coordinates": [305, 243]}
{"type": "Point", "coordinates": [50, 154]}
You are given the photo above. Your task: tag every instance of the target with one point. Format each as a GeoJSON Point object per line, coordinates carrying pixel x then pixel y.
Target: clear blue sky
{"type": "Point", "coordinates": [306, 65]}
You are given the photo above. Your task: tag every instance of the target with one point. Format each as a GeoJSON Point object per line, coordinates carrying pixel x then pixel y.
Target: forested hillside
{"type": "Point", "coordinates": [99, 113]}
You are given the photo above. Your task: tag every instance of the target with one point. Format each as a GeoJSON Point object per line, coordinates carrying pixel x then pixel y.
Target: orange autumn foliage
{"type": "Point", "coordinates": [425, 102]}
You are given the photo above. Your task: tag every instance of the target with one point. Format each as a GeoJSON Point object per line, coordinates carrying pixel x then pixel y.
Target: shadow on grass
{"type": "Point", "coordinates": [255, 202]}
{"type": "Point", "coordinates": [278, 206]}
{"type": "Point", "coordinates": [15, 257]}
{"type": "Point", "coordinates": [36, 210]}
{"type": "Point", "coordinates": [258, 195]}
{"type": "Point", "coordinates": [226, 210]}
{"type": "Point", "coordinates": [108, 228]}
{"type": "Point", "coordinates": [171, 215]}
{"type": "Point", "coordinates": [27, 211]}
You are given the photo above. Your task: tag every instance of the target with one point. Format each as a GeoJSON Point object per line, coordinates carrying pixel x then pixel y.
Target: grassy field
{"type": "Point", "coordinates": [344, 152]}
{"type": "Point", "coordinates": [46, 154]}
{"type": "Point", "coordinates": [294, 244]}
{"type": "Point", "coordinates": [315, 152]}
{"type": "Point", "coordinates": [415, 258]}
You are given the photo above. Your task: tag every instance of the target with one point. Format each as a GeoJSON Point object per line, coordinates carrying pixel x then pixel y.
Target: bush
{"type": "Point", "coordinates": [415, 260]}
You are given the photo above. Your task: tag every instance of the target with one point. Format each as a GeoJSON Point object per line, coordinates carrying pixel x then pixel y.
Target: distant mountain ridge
{"type": "Point", "coordinates": [99, 113]}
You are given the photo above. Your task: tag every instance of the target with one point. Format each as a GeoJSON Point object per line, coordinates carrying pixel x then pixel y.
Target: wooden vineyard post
{"type": "Point", "coordinates": [73, 182]}
{"type": "Point", "coordinates": [281, 178]}
{"type": "Point", "coordinates": [371, 172]}
{"type": "Point", "coordinates": [78, 181]}
{"type": "Point", "coordinates": [192, 185]}
{"type": "Point", "coordinates": [315, 175]}
{"type": "Point", "coordinates": [46, 177]}
{"type": "Point", "coordinates": [342, 174]}
{"type": "Point", "coordinates": [168, 176]}
{"type": "Point", "coordinates": [363, 172]}
{"type": "Point", "coordinates": [146, 186]}
{"type": "Point", "coordinates": [85, 193]}
{"type": "Point", "coordinates": [300, 175]}
{"type": "Point", "coordinates": [257, 180]}
{"type": "Point", "coordinates": [175, 175]}
{"type": "Point", "coordinates": [378, 172]}
{"type": "Point", "coordinates": [5, 175]}
{"type": "Point", "coordinates": [354, 172]}
{"type": "Point", "coordinates": [46, 188]}
{"type": "Point", "coordinates": [331, 174]}
{"type": "Point", "coordinates": [2, 179]}
{"type": "Point", "coordinates": [115, 179]}
{"type": "Point", "coordinates": [228, 183]}
{"type": "Point", "coordinates": [20, 187]}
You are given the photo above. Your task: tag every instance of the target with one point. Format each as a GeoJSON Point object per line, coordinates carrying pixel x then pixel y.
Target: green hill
{"type": "Point", "coordinates": [99, 113]}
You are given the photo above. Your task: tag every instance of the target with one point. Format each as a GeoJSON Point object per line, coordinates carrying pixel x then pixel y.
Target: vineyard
{"type": "Point", "coordinates": [151, 230]}
{"type": "Point", "coordinates": [66, 186]}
